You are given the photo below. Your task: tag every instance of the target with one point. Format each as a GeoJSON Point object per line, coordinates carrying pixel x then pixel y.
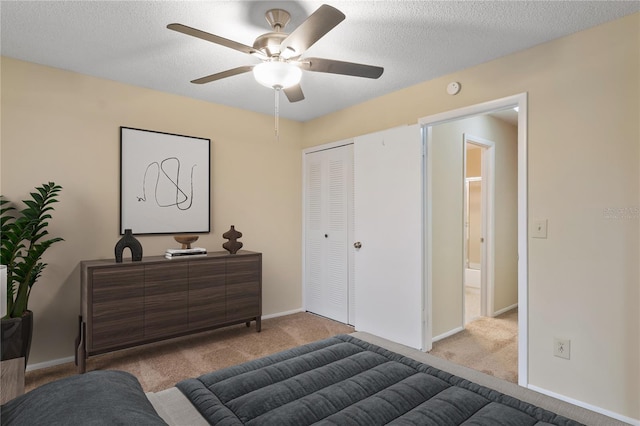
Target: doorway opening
{"type": "Point", "coordinates": [444, 298]}
{"type": "Point", "coordinates": [473, 256]}
{"type": "Point", "coordinates": [479, 231]}
{"type": "Point", "coordinates": [473, 237]}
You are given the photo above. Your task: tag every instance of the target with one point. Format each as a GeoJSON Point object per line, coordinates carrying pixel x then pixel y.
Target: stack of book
{"type": "Point", "coordinates": [175, 253]}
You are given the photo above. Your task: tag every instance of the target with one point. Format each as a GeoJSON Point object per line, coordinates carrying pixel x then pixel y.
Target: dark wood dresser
{"type": "Point", "coordinates": [133, 303]}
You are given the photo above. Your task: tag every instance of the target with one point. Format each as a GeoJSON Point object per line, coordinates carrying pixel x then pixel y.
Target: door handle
{"type": "Point", "coordinates": [357, 244]}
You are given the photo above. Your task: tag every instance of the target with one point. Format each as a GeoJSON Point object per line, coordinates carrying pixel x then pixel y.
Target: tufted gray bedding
{"type": "Point", "coordinates": [97, 398]}
{"type": "Point", "coordinates": [346, 381]}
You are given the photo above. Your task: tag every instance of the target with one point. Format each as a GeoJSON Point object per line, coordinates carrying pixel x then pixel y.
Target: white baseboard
{"type": "Point", "coordinates": [50, 363]}
{"type": "Point", "coordinates": [503, 310]}
{"type": "Point", "coordinates": [447, 334]}
{"type": "Point", "coordinates": [282, 314]}
{"type": "Point", "coordinates": [599, 410]}
{"type": "Point", "coordinates": [59, 361]}
{"type": "Point", "coordinates": [459, 329]}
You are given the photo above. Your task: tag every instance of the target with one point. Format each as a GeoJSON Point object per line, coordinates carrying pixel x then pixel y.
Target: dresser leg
{"type": "Point", "coordinates": [78, 339]}
{"type": "Point", "coordinates": [258, 324]}
{"type": "Point", "coordinates": [81, 352]}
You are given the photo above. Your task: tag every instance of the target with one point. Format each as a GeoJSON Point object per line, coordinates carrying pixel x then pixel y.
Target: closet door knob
{"type": "Point", "coordinates": [357, 244]}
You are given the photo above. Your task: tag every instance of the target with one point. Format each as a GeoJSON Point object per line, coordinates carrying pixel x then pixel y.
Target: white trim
{"type": "Point", "coordinates": [282, 314]}
{"type": "Point", "coordinates": [425, 345]}
{"type": "Point", "coordinates": [523, 248]}
{"type": "Point", "coordinates": [427, 242]}
{"type": "Point", "coordinates": [465, 229]}
{"type": "Point", "coordinates": [326, 146]}
{"type": "Point", "coordinates": [519, 100]}
{"type": "Point", "coordinates": [448, 334]}
{"type": "Point", "coordinates": [50, 363]}
{"type": "Point", "coordinates": [634, 422]}
{"type": "Point", "coordinates": [469, 111]}
{"type": "Point", "coordinates": [503, 310]}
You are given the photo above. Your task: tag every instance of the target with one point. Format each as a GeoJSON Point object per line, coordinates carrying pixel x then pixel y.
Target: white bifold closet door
{"type": "Point", "coordinates": [388, 192]}
{"type": "Point", "coordinates": [328, 233]}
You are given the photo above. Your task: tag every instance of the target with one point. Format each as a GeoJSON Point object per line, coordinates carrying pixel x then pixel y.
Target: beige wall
{"type": "Point", "coordinates": [583, 158]}
{"type": "Point", "coordinates": [584, 280]}
{"type": "Point", "coordinates": [447, 155]}
{"type": "Point", "coordinates": [64, 127]}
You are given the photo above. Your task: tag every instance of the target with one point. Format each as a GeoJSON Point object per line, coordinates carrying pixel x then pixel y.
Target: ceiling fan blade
{"type": "Point", "coordinates": [215, 39]}
{"type": "Point", "coordinates": [223, 74]}
{"type": "Point", "coordinates": [339, 67]}
{"type": "Point", "coordinates": [311, 30]}
{"type": "Point", "coordinates": [294, 93]}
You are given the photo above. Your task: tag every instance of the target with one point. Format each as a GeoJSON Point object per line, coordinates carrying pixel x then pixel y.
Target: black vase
{"type": "Point", "coordinates": [16, 337]}
{"type": "Point", "coordinates": [128, 240]}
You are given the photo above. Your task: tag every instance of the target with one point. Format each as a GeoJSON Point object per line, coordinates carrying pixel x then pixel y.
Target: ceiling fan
{"type": "Point", "coordinates": [281, 53]}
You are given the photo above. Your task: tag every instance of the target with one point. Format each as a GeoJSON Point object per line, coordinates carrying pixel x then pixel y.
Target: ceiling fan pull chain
{"type": "Point", "coordinates": [277, 110]}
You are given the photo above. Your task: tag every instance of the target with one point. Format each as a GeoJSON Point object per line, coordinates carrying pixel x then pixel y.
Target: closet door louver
{"type": "Point", "coordinates": [328, 190]}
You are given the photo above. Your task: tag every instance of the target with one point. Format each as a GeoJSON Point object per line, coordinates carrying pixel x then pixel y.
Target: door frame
{"type": "Point", "coordinates": [487, 257]}
{"type": "Point", "coordinates": [426, 123]}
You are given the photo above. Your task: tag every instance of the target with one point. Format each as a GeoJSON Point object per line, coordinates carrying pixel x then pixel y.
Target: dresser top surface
{"type": "Point", "coordinates": [162, 259]}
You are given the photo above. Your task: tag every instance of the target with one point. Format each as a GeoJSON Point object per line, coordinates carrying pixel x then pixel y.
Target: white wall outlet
{"type": "Point", "coordinates": [562, 348]}
{"type": "Point", "coordinates": [539, 229]}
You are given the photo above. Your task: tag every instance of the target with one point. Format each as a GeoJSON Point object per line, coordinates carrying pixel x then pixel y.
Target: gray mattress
{"type": "Point", "coordinates": [346, 381]}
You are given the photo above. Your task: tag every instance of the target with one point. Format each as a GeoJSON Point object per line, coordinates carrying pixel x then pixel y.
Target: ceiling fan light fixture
{"type": "Point", "coordinates": [277, 74]}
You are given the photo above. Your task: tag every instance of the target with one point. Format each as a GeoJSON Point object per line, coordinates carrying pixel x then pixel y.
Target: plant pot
{"type": "Point", "coordinates": [16, 337]}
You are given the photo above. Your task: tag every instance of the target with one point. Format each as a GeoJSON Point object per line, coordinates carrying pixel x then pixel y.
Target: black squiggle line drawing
{"type": "Point", "coordinates": [180, 196]}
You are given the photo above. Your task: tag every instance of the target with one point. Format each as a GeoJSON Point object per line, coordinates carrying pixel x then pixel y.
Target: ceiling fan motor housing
{"type": "Point", "coordinates": [277, 18]}
{"type": "Point", "coordinates": [269, 43]}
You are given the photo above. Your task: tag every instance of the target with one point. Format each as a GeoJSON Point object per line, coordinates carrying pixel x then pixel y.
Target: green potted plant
{"type": "Point", "coordinates": [24, 239]}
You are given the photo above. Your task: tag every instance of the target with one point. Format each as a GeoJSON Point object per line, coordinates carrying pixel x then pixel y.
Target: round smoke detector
{"type": "Point", "coordinates": [453, 88]}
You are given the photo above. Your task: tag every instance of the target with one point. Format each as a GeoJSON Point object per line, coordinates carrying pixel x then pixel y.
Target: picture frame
{"type": "Point", "coordinates": [164, 183]}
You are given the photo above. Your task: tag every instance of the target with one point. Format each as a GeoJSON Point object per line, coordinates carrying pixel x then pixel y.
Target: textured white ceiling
{"type": "Point", "coordinates": [414, 41]}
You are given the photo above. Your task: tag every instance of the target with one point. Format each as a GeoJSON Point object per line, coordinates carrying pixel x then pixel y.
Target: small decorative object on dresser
{"type": "Point", "coordinates": [128, 240]}
{"type": "Point", "coordinates": [186, 240]}
{"type": "Point", "coordinates": [233, 245]}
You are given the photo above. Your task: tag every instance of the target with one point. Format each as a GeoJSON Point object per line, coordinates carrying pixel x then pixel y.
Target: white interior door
{"type": "Point", "coordinates": [389, 226]}
{"type": "Point", "coordinates": [328, 189]}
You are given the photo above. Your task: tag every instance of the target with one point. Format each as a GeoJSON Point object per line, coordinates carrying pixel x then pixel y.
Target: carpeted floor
{"type": "Point", "coordinates": [161, 365]}
{"type": "Point", "coordinates": [489, 345]}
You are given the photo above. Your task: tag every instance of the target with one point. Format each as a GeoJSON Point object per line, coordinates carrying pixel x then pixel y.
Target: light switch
{"type": "Point", "coordinates": [539, 229]}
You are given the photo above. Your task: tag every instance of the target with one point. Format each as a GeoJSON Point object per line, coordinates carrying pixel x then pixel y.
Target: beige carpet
{"type": "Point", "coordinates": [161, 365]}
{"type": "Point", "coordinates": [489, 345]}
